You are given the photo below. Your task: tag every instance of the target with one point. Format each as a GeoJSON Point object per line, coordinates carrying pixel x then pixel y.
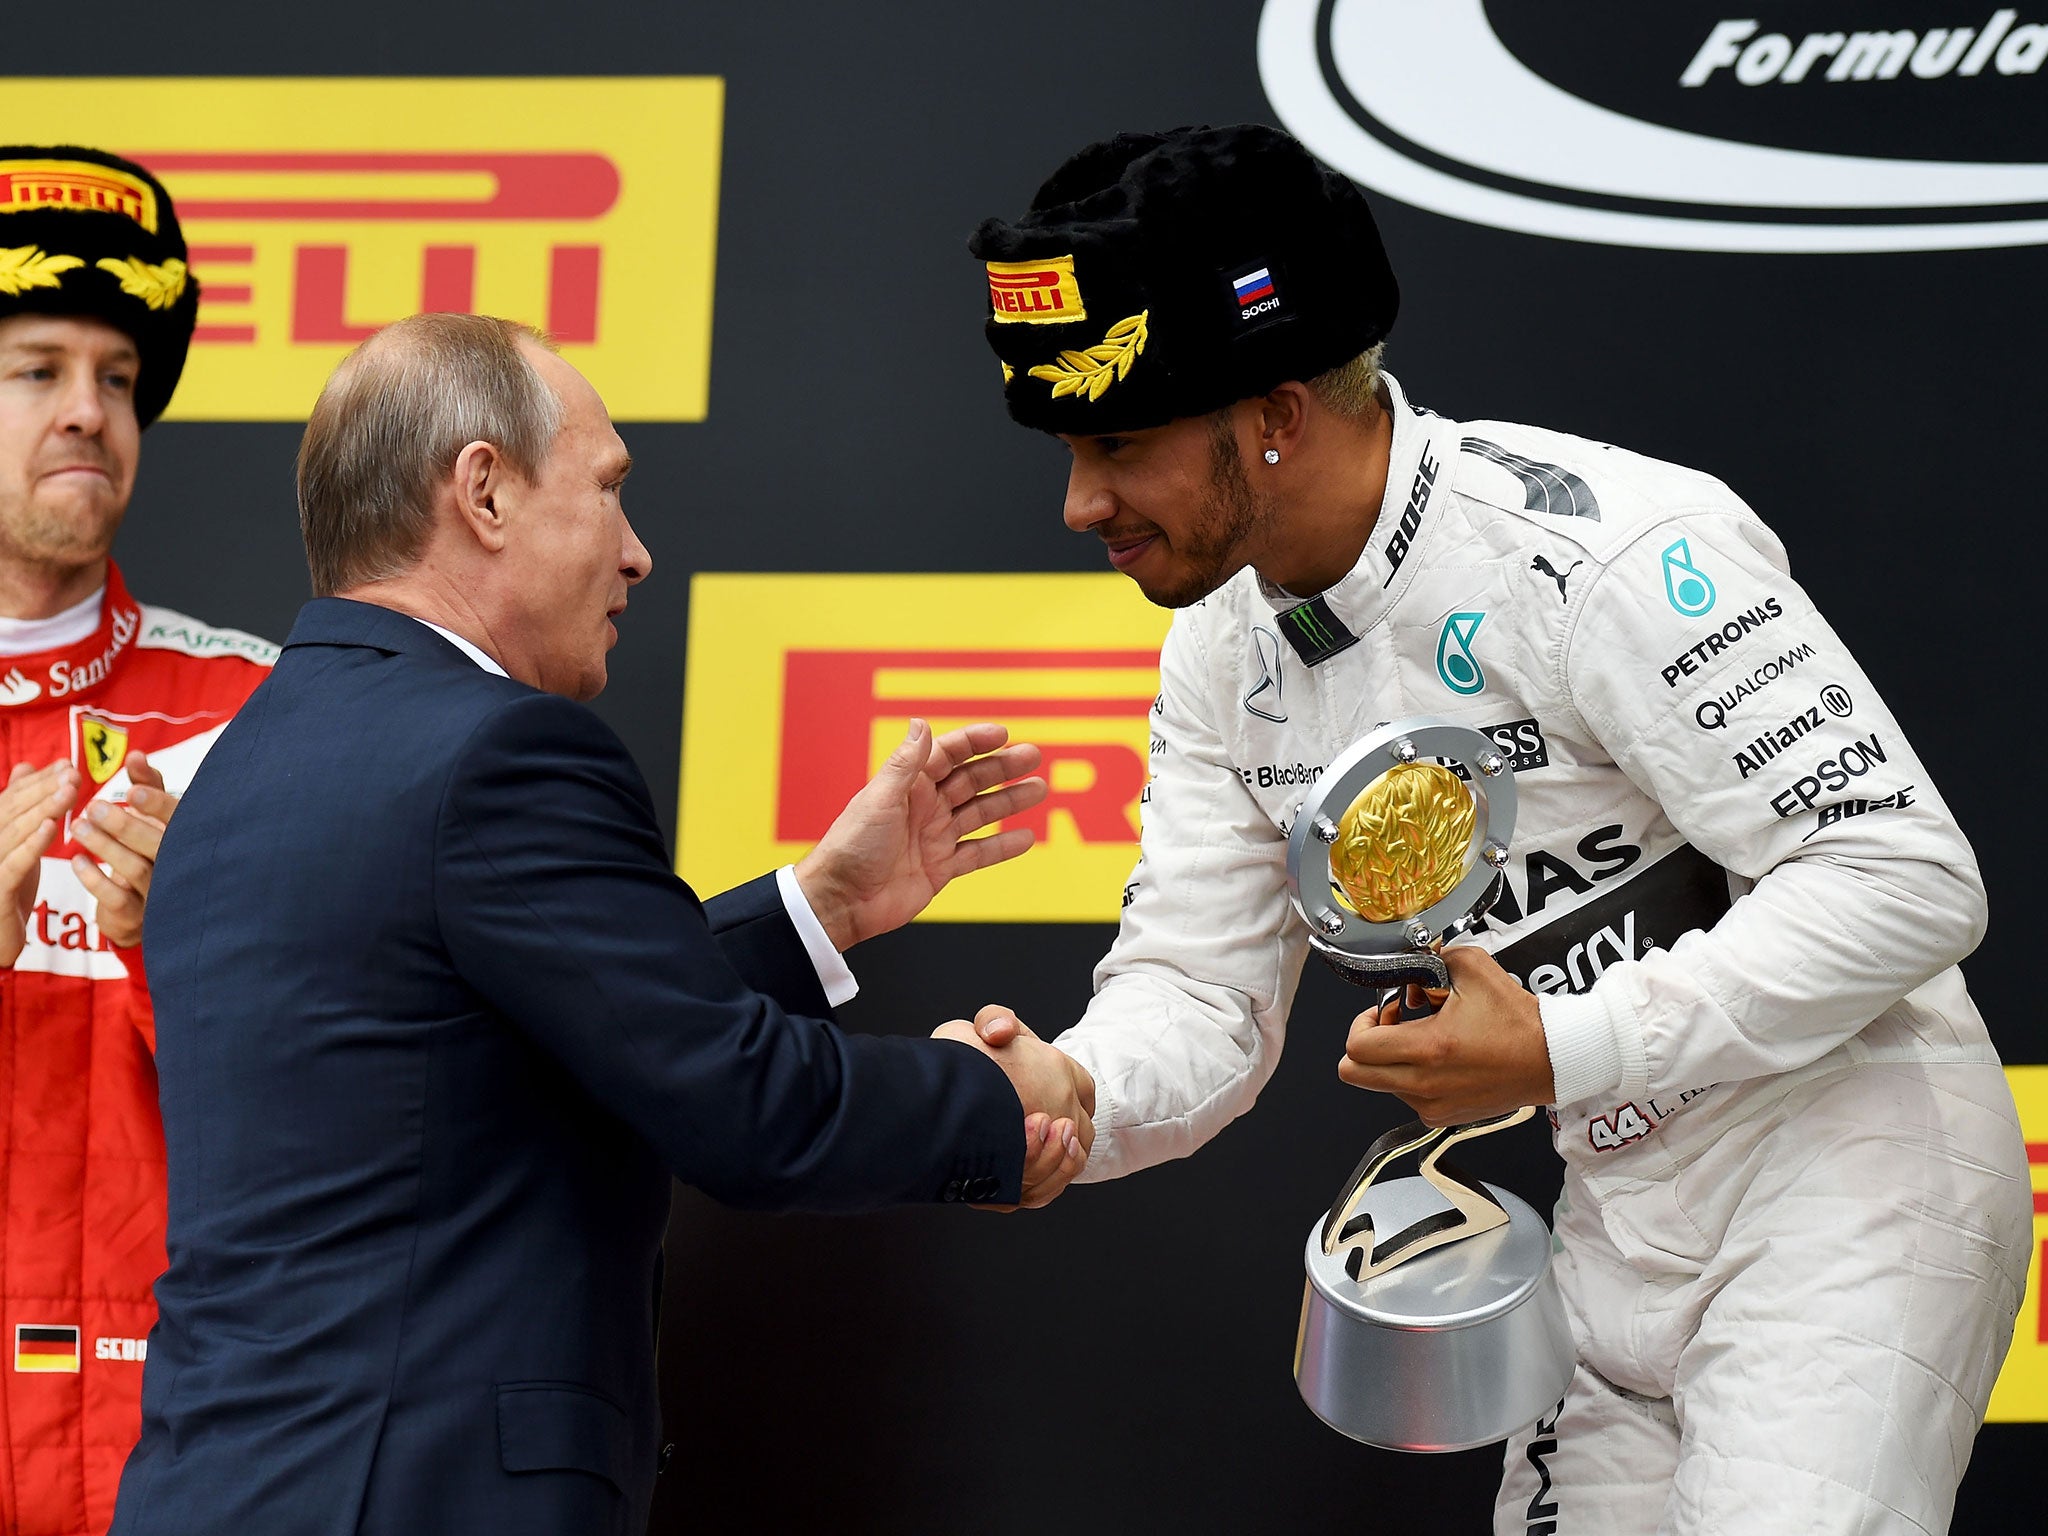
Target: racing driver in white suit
{"type": "Point", "coordinates": [1793, 1236]}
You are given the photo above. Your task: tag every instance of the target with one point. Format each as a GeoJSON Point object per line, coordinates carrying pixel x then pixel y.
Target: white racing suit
{"type": "Point", "coordinates": [1796, 1216]}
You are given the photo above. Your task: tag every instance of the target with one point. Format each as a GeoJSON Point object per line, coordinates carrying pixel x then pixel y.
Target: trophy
{"type": "Point", "coordinates": [1430, 1320]}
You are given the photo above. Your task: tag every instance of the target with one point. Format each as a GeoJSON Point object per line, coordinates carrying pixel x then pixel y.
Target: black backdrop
{"type": "Point", "coordinates": [1121, 1360]}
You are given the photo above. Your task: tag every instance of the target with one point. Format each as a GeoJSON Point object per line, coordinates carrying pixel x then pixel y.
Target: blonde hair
{"type": "Point", "coordinates": [387, 428]}
{"type": "Point", "coordinates": [1352, 389]}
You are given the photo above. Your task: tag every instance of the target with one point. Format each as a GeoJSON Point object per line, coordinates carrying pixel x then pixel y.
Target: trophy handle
{"type": "Point", "coordinates": [1473, 1207]}
{"type": "Point", "coordinates": [1422, 968]}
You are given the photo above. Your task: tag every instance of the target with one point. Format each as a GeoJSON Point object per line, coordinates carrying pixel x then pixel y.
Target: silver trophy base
{"type": "Point", "coordinates": [1456, 1348]}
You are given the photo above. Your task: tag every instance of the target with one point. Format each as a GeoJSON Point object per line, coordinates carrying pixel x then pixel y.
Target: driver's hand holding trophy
{"type": "Point", "coordinates": [1431, 1321]}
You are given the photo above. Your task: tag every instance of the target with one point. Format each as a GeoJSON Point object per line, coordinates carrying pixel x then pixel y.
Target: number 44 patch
{"type": "Point", "coordinates": [1618, 1129]}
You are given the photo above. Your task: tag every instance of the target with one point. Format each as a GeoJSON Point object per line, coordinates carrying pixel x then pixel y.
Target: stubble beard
{"type": "Point", "coordinates": [1214, 546]}
{"type": "Point", "coordinates": [56, 538]}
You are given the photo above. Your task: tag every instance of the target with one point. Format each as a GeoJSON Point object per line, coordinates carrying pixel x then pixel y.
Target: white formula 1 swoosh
{"type": "Point", "coordinates": [1459, 115]}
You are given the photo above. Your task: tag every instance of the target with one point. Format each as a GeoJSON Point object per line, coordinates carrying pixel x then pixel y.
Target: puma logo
{"type": "Point", "coordinates": [1560, 577]}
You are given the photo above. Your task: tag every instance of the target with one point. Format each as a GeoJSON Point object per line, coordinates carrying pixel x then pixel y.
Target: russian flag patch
{"type": "Point", "coordinates": [1253, 286]}
{"type": "Point", "coordinates": [44, 1347]}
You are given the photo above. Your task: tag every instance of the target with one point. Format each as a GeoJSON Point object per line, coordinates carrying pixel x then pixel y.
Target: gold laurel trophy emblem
{"type": "Point", "coordinates": [1430, 1319]}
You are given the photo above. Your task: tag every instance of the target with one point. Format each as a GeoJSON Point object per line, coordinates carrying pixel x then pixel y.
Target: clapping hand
{"type": "Point", "coordinates": [32, 807]}
{"type": "Point", "coordinates": [1057, 1093]}
{"type": "Point", "coordinates": [906, 834]}
{"type": "Point", "coordinates": [123, 839]}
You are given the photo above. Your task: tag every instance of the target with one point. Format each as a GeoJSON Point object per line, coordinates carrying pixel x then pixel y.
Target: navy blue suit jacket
{"type": "Point", "coordinates": [435, 1023]}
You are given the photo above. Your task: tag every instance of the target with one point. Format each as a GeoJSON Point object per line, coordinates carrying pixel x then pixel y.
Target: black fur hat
{"type": "Point", "coordinates": [83, 232]}
{"type": "Point", "coordinates": [1161, 275]}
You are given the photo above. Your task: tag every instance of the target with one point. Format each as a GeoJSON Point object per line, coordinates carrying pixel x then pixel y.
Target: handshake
{"type": "Point", "coordinates": [1057, 1093]}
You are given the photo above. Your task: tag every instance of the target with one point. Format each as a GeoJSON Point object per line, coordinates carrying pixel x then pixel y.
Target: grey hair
{"type": "Point", "coordinates": [386, 431]}
{"type": "Point", "coordinates": [1352, 389]}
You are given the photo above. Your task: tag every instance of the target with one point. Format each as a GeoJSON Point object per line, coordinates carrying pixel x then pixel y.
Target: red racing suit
{"type": "Point", "coordinates": [81, 1147]}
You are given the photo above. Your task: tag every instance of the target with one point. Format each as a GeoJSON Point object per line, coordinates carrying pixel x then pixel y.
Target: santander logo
{"type": "Point", "coordinates": [1425, 103]}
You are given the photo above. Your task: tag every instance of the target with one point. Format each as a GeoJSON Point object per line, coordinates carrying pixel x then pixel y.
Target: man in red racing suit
{"type": "Point", "coordinates": [106, 707]}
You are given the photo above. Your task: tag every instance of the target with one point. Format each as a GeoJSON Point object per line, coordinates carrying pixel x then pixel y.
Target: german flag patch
{"type": "Point", "coordinates": [42, 1347]}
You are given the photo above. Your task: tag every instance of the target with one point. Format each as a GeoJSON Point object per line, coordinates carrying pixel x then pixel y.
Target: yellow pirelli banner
{"type": "Point", "coordinates": [799, 686]}
{"type": "Point", "coordinates": [318, 210]}
{"type": "Point", "coordinates": [2022, 1392]}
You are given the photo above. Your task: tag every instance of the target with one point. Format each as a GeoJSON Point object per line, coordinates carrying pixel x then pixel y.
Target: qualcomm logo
{"type": "Point", "coordinates": [1425, 103]}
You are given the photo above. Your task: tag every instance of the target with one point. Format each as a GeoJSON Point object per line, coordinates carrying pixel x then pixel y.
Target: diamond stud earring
{"type": "Point", "coordinates": [1272, 455]}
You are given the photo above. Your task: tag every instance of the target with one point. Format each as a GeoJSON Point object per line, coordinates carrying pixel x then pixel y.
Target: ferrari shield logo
{"type": "Point", "coordinates": [105, 748]}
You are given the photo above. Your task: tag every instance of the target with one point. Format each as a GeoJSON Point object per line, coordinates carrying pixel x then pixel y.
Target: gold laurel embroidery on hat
{"type": "Point", "coordinates": [23, 267]}
{"type": "Point", "coordinates": [157, 285]}
{"type": "Point", "coordinates": [1101, 365]}
{"type": "Point", "coordinates": [1009, 373]}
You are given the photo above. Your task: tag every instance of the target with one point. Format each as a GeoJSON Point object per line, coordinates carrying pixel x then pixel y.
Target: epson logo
{"type": "Point", "coordinates": [1833, 773]}
{"type": "Point", "coordinates": [1653, 131]}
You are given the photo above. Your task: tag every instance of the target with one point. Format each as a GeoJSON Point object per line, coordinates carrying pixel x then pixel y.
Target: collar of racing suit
{"type": "Point", "coordinates": [69, 672]}
{"type": "Point", "coordinates": [1424, 444]}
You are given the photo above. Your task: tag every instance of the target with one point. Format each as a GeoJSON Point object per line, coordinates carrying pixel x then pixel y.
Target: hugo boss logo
{"type": "Point", "coordinates": [1675, 126]}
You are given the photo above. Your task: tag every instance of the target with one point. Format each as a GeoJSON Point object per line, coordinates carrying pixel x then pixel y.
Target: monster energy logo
{"type": "Point", "coordinates": [1315, 633]}
{"type": "Point", "coordinates": [1455, 663]}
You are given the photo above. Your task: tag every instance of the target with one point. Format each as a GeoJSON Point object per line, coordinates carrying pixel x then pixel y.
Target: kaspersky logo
{"type": "Point", "coordinates": [1455, 663]}
{"type": "Point", "coordinates": [319, 210]}
{"type": "Point", "coordinates": [1685, 584]}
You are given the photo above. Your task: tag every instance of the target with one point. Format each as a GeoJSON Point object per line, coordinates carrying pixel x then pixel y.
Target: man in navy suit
{"type": "Point", "coordinates": [436, 1022]}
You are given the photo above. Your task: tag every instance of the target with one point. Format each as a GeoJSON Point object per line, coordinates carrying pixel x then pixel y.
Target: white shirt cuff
{"type": "Point", "coordinates": [1595, 1043]}
{"type": "Point", "coordinates": [833, 974]}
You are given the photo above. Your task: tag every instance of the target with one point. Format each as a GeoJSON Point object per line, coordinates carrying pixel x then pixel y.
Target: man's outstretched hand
{"type": "Point", "coordinates": [1057, 1093]}
{"type": "Point", "coordinates": [1482, 1053]}
{"type": "Point", "coordinates": [908, 832]}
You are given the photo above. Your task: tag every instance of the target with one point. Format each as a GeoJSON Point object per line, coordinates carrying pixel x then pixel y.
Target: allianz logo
{"type": "Point", "coordinates": [1756, 57]}
{"type": "Point", "coordinates": [1426, 103]}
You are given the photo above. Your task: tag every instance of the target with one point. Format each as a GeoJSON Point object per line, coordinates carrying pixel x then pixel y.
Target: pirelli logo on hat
{"type": "Point", "coordinates": [33, 186]}
{"type": "Point", "coordinates": [317, 210]}
{"type": "Point", "coordinates": [1035, 292]}
{"type": "Point", "coordinates": [44, 1347]}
